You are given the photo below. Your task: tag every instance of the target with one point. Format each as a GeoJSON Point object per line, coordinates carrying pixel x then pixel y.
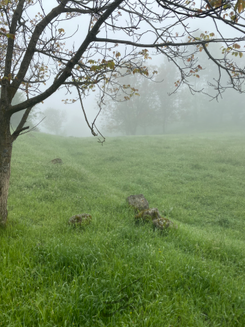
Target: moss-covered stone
{"type": "Point", "coordinates": [153, 215]}
{"type": "Point", "coordinates": [162, 223]}
{"type": "Point", "coordinates": [80, 219]}
{"type": "Point", "coordinates": [148, 214]}
{"type": "Point", "coordinates": [56, 161]}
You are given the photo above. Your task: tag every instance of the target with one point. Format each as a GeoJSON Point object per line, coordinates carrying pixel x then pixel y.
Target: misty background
{"type": "Point", "coordinates": [157, 107]}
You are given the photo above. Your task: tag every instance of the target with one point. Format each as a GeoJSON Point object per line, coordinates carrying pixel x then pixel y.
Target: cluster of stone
{"type": "Point", "coordinates": [145, 214]}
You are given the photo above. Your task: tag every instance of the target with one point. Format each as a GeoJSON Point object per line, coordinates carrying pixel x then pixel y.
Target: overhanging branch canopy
{"type": "Point", "coordinates": [40, 53]}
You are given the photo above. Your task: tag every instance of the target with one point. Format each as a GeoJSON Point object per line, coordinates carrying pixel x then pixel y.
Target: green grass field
{"type": "Point", "coordinates": [114, 272]}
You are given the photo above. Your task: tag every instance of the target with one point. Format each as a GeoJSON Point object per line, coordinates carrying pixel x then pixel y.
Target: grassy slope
{"type": "Point", "coordinates": [114, 273]}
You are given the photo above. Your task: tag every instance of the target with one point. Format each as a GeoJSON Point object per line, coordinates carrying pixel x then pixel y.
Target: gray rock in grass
{"type": "Point", "coordinates": [138, 201]}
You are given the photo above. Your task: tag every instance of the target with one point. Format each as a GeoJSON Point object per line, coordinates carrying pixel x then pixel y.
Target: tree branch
{"type": "Point", "coordinates": [21, 127]}
{"type": "Point", "coordinates": [91, 36]}
{"type": "Point", "coordinates": [32, 45]}
{"type": "Point", "coordinates": [167, 44]}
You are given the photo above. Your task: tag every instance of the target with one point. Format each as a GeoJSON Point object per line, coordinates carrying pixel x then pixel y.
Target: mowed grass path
{"type": "Point", "coordinates": [113, 272]}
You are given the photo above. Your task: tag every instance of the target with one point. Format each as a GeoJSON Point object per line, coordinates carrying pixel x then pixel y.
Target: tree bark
{"type": "Point", "coordinates": [5, 159]}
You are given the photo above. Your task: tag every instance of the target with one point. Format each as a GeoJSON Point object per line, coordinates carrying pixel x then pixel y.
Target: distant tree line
{"type": "Point", "coordinates": [147, 110]}
{"type": "Point", "coordinates": [157, 107]}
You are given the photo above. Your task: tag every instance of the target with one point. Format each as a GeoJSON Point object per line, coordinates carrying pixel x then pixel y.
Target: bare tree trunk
{"type": "Point", "coordinates": [5, 159]}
